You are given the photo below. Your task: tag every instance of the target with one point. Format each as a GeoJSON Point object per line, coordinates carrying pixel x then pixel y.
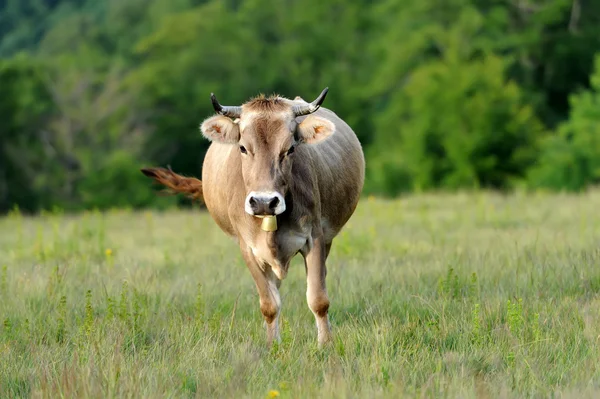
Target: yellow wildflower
{"type": "Point", "coordinates": [108, 252]}
{"type": "Point", "coordinates": [273, 394]}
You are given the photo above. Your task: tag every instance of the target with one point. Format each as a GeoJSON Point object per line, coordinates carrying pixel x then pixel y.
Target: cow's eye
{"type": "Point", "coordinates": [291, 150]}
{"type": "Point", "coordinates": [243, 150]}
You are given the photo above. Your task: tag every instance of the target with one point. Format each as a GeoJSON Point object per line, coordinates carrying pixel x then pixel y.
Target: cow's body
{"type": "Point", "coordinates": [319, 187]}
{"type": "Point", "coordinates": [327, 181]}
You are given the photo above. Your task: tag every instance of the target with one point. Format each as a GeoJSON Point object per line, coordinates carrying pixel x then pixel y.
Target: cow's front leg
{"type": "Point", "coordinates": [316, 290]}
{"type": "Point", "coordinates": [267, 285]}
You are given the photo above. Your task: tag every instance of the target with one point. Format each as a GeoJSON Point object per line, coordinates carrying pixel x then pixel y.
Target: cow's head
{"type": "Point", "coordinates": [266, 134]}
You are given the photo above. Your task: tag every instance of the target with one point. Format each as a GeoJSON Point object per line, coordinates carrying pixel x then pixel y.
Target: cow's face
{"type": "Point", "coordinates": [267, 135]}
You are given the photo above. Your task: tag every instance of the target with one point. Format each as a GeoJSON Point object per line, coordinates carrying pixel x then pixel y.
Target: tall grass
{"type": "Point", "coordinates": [476, 295]}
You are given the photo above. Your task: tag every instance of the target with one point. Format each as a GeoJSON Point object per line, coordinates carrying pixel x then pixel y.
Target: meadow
{"type": "Point", "coordinates": [432, 295]}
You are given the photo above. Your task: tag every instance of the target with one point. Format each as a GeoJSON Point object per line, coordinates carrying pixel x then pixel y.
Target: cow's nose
{"type": "Point", "coordinates": [265, 203]}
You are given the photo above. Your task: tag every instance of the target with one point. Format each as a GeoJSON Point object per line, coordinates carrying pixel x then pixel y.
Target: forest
{"type": "Point", "coordinates": [444, 95]}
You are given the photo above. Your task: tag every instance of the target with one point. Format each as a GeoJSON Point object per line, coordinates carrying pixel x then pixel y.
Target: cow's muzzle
{"type": "Point", "coordinates": [265, 203]}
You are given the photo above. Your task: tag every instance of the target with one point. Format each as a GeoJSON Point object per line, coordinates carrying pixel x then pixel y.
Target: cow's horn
{"type": "Point", "coordinates": [230, 111]}
{"type": "Point", "coordinates": [306, 109]}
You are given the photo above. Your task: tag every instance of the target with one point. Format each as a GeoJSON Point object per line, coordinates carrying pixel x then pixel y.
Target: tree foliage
{"type": "Point", "coordinates": [571, 159]}
{"type": "Point", "coordinates": [459, 94]}
{"type": "Point", "coordinates": [24, 105]}
{"type": "Point", "coordinates": [457, 121]}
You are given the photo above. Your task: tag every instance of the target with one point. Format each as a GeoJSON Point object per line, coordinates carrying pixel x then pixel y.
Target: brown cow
{"type": "Point", "coordinates": [291, 159]}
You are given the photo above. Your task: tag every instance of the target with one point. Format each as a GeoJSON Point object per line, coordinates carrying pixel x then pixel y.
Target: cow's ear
{"type": "Point", "coordinates": [221, 129]}
{"type": "Point", "coordinates": [314, 129]}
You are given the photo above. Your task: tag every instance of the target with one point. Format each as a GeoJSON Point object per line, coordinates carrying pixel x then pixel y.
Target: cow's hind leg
{"type": "Point", "coordinates": [316, 290]}
{"type": "Point", "coordinates": [267, 285]}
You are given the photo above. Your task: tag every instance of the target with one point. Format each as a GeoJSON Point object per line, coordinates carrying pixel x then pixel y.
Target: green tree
{"type": "Point", "coordinates": [570, 159]}
{"type": "Point", "coordinates": [275, 47]}
{"type": "Point", "coordinates": [441, 94]}
{"type": "Point", "coordinates": [191, 54]}
{"type": "Point", "coordinates": [551, 44]}
{"type": "Point", "coordinates": [25, 104]}
{"type": "Point", "coordinates": [98, 127]}
{"type": "Point", "coordinates": [456, 123]}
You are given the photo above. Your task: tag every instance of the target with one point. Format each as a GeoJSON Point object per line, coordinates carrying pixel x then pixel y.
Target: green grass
{"type": "Point", "coordinates": [461, 295]}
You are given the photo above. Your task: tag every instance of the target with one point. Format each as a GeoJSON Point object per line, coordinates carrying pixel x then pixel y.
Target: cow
{"type": "Point", "coordinates": [281, 177]}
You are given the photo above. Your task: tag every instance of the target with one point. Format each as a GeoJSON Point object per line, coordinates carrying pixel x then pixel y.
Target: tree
{"type": "Point", "coordinates": [25, 105]}
{"type": "Point", "coordinates": [101, 132]}
{"type": "Point", "coordinates": [570, 159]}
{"type": "Point", "coordinates": [551, 44]}
{"type": "Point", "coordinates": [455, 123]}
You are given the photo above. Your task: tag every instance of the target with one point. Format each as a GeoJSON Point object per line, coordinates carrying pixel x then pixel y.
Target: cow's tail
{"type": "Point", "coordinates": [176, 184]}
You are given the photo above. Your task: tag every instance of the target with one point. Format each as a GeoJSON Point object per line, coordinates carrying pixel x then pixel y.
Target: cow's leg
{"type": "Point", "coordinates": [267, 285]}
{"type": "Point", "coordinates": [316, 290]}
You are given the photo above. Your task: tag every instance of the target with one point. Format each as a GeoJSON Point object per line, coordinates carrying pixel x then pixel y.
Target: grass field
{"type": "Point", "coordinates": [433, 295]}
